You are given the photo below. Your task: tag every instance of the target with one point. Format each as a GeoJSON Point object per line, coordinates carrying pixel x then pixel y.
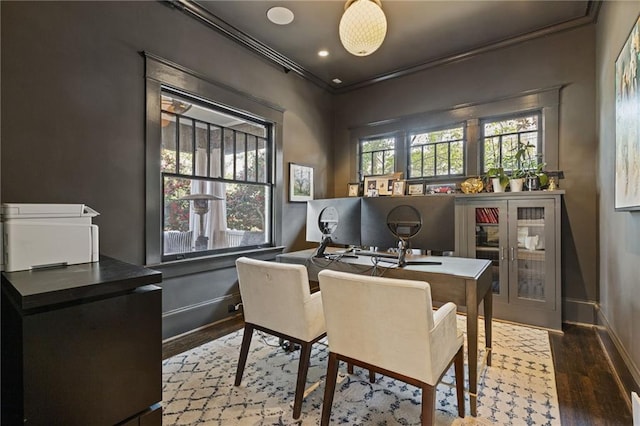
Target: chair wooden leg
{"type": "Point", "coordinates": [372, 376]}
{"type": "Point", "coordinates": [428, 404]}
{"type": "Point", "coordinates": [349, 368]}
{"type": "Point", "coordinates": [459, 368]}
{"type": "Point", "coordinates": [244, 351]}
{"type": "Point", "coordinates": [329, 388]}
{"type": "Point", "coordinates": [303, 367]}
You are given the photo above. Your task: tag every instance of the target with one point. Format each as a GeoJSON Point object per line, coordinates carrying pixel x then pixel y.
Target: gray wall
{"type": "Point", "coordinates": [563, 59]}
{"type": "Point", "coordinates": [73, 116]}
{"type": "Point", "coordinates": [619, 232]}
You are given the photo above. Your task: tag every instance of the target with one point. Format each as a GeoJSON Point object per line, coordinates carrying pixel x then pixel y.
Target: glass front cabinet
{"type": "Point", "coordinates": [520, 234]}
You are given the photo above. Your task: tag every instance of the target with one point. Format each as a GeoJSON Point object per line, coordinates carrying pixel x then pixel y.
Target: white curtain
{"type": "Point", "coordinates": [215, 223]}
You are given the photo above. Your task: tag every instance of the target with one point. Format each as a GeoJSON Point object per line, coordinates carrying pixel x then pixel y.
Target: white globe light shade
{"type": "Point", "coordinates": [363, 27]}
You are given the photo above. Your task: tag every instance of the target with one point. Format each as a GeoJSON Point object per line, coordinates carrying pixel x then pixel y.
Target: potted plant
{"type": "Point", "coordinates": [498, 178]}
{"type": "Point", "coordinates": [529, 171]}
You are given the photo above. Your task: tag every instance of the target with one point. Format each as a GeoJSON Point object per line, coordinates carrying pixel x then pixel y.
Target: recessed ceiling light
{"type": "Point", "coordinates": [337, 81]}
{"type": "Point", "coordinates": [323, 53]}
{"type": "Point", "coordinates": [280, 15]}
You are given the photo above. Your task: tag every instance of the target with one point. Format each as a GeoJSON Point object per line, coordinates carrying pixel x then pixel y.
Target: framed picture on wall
{"type": "Point", "coordinates": [627, 162]}
{"type": "Point", "coordinates": [300, 183]}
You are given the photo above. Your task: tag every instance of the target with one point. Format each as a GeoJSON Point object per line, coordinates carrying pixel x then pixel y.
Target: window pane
{"type": "Point", "coordinates": [442, 159]}
{"type": "Point", "coordinates": [378, 144]}
{"type": "Point", "coordinates": [366, 164]}
{"type": "Point", "coordinates": [457, 158]}
{"type": "Point", "coordinates": [415, 165]}
{"type": "Point", "coordinates": [216, 151]}
{"type": "Point", "coordinates": [378, 164]}
{"type": "Point", "coordinates": [252, 158]}
{"type": "Point", "coordinates": [491, 153]}
{"type": "Point", "coordinates": [202, 215]}
{"type": "Point", "coordinates": [240, 156]}
{"type": "Point", "coordinates": [185, 145]}
{"type": "Point", "coordinates": [429, 161]}
{"type": "Point", "coordinates": [229, 153]}
{"type": "Point", "coordinates": [262, 161]}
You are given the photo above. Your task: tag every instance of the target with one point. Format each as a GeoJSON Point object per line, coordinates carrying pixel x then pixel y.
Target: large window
{"type": "Point", "coordinates": [437, 153]}
{"type": "Point", "coordinates": [503, 138]}
{"type": "Point", "coordinates": [216, 178]}
{"type": "Point", "coordinates": [377, 156]}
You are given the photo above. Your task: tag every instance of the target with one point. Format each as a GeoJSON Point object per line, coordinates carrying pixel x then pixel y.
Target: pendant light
{"type": "Point", "coordinates": [363, 26]}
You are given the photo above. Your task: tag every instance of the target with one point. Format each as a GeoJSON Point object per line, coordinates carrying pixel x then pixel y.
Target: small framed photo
{"type": "Point", "coordinates": [300, 183]}
{"type": "Point", "coordinates": [354, 189]}
{"type": "Point", "coordinates": [441, 188]}
{"type": "Point", "coordinates": [398, 187]}
{"type": "Point", "coordinates": [383, 184]}
{"type": "Point", "coordinates": [416, 188]}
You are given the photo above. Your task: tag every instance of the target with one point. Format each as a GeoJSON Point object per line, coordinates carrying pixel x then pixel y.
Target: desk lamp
{"type": "Point", "coordinates": [201, 207]}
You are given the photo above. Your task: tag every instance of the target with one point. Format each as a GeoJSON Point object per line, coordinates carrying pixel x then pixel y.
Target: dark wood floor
{"type": "Point", "coordinates": [587, 389]}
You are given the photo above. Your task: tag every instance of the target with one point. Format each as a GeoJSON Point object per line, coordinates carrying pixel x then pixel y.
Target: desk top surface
{"type": "Point", "coordinates": [462, 267]}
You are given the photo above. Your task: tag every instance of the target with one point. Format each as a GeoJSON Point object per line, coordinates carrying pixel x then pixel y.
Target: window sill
{"type": "Point", "coordinates": [176, 268]}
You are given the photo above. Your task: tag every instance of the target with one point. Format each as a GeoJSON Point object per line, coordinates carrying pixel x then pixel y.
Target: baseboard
{"type": "Point", "coordinates": [627, 374]}
{"type": "Point", "coordinates": [579, 311]}
{"type": "Point", "coordinates": [189, 318]}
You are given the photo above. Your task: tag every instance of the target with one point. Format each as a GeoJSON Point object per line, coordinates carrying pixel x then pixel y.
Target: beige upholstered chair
{"type": "Point", "coordinates": [276, 299]}
{"type": "Point", "coordinates": [389, 326]}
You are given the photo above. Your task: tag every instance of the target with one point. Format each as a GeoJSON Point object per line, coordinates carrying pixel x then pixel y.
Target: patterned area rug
{"type": "Point", "coordinates": [518, 388]}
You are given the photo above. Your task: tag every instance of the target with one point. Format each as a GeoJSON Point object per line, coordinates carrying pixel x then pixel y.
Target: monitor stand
{"type": "Point", "coordinates": [326, 240]}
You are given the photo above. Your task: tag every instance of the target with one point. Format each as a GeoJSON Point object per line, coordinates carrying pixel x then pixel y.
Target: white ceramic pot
{"type": "Point", "coordinates": [516, 184]}
{"type": "Point", "coordinates": [497, 187]}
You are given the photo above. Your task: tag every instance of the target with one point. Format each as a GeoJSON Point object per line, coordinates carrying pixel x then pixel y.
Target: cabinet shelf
{"type": "Point", "coordinates": [486, 248]}
{"type": "Point", "coordinates": [487, 224]}
{"type": "Point", "coordinates": [531, 254]}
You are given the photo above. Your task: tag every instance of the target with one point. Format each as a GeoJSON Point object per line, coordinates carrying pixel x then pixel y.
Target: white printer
{"type": "Point", "coordinates": [45, 235]}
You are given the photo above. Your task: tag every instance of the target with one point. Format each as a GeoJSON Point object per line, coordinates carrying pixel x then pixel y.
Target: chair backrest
{"type": "Point", "coordinates": [382, 321]}
{"type": "Point", "coordinates": [274, 295]}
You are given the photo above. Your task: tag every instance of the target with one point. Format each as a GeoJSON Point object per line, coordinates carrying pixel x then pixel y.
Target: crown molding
{"type": "Point", "coordinates": [193, 9]}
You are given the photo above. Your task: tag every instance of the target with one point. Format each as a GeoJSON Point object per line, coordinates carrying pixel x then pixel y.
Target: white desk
{"type": "Point", "coordinates": [462, 281]}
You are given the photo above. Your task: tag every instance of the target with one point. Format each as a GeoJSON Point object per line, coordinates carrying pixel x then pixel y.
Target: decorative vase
{"type": "Point", "coordinates": [516, 184]}
{"type": "Point", "coordinates": [497, 186]}
{"type": "Point", "coordinates": [533, 183]}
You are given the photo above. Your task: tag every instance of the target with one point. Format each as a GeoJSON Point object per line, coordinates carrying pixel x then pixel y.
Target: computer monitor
{"type": "Point", "coordinates": [333, 221]}
{"type": "Point", "coordinates": [385, 220]}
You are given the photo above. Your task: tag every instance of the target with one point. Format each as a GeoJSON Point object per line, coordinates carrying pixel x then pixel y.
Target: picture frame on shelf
{"type": "Point", "coordinates": [627, 124]}
{"type": "Point", "coordinates": [354, 189]}
{"type": "Point", "coordinates": [398, 188]}
{"type": "Point", "coordinates": [300, 183]}
{"type": "Point", "coordinates": [383, 184]}
{"type": "Point", "coordinates": [415, 188]}
{"type": "Point", "coordinates": [440, 188]}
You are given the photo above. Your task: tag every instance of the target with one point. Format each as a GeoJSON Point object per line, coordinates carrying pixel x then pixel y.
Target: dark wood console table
{"type": "Point", "coordinates": [82, 345]}
{"type": "Point", "coordinates": [465, 282]}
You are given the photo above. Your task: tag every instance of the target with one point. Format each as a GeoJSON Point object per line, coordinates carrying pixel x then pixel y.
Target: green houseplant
{"type": "Point", "coordinates": [530, 167]}
{"type": "Point", "coordinates": [498, 177]}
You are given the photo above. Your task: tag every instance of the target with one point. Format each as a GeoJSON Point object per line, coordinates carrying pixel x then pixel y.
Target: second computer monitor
{"type": "Point", "coordinates": [337, 218]}
{"type": "Point", "coordinates": [437, 225]}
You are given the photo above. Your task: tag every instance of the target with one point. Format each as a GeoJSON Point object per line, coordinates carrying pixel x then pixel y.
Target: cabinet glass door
{"type": "Point", "coordinates": [530, 241]}
{"type": "Point", "coordinates": [489, 225]}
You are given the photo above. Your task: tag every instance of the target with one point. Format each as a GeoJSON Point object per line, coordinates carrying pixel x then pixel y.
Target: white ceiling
{"type": "Point", "coordinates": [420, 33]}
